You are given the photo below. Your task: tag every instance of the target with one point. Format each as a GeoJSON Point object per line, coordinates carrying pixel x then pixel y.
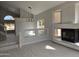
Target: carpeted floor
{"type": "Point", "coordinates": [41, 49]}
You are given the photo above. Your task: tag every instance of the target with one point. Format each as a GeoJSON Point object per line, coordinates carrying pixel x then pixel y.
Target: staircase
{"type": "Point", "coordinates": [2, 36]}
{"type": "Point", "coordinates": [7, 41]}
{"type": "Point", "coordinates": [3, 33]}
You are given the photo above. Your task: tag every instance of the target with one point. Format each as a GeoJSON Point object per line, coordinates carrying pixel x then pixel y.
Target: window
{"type": "Point", "coordinates": [57, 19]}
{"type": "Point", "coordinates": [57, 32]}
{"type": "Point", "coordinates": [8, 17]}
{"type": "Point", "coordinates": [40, 23]}
{"type": "Point", "coordinates": [41, 26]}
{"type": "Point", "coordinates": [9, 26]}
{"type": "Point", "coordinates": [9, 22]}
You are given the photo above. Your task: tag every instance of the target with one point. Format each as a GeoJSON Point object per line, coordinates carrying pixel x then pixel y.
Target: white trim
{"type": "Point", "coordinates": [34, 42]}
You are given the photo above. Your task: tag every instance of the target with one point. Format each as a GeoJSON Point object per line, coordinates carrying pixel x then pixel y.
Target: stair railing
{"type": "Point", "coordinates": [3, 34]}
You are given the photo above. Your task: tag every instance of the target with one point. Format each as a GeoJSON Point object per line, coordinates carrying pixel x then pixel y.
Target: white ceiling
{"type": "Point", "coordinates": [37, 6]}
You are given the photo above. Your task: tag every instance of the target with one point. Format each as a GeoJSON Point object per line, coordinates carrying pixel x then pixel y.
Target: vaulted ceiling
{"type": "Point", "coordinates": [37, 6]}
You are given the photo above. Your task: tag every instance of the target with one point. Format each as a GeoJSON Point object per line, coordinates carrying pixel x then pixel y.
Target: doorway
{"type": "Point", "coordinates": [8, 37]}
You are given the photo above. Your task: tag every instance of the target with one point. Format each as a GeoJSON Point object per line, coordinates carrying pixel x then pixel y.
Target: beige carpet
{"type": "Point", "coordinates": [41, 49]}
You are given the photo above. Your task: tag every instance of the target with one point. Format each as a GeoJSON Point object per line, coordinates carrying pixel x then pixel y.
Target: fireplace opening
{"type": "Point", "coordinates": [70, 35]}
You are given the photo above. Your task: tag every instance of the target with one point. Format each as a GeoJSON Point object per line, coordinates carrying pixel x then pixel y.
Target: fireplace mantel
{"type": "Point", "coordinates": [68, 26]}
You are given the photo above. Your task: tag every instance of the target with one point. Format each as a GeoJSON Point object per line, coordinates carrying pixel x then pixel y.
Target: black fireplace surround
{"type": "Point", "coordinates": [70, 35]}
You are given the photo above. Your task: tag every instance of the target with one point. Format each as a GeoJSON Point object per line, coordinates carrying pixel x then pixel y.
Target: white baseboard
{"type": "Point", "coordinates": [34, 42]}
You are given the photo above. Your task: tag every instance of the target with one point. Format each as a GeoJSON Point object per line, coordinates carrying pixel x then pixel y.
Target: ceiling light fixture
{"type": "Point", "coordinates": [30, 15]}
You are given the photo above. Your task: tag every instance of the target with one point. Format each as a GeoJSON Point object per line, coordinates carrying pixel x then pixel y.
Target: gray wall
{"type": "Point", "coordinates": [68, 12]}
{"type": "Point", "coordinates": [22, 25]}
{"type": "Point", "coordinates": [47, 15]}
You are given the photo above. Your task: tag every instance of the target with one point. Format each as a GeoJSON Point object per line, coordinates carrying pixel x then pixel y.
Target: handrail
{"type": "Point", "coordinates": [3, 27]}
{"type": "Point", "coordinates": [3, 32]}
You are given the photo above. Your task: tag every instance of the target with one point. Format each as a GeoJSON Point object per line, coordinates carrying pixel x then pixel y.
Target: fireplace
{"type": "Point", "coordinates": [70, 35]}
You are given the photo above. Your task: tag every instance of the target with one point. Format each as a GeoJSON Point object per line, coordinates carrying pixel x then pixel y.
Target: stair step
{"type": "Point", "coordinates": [7, 44]}
{"type": "Point", "coordinates": [9, 47]}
